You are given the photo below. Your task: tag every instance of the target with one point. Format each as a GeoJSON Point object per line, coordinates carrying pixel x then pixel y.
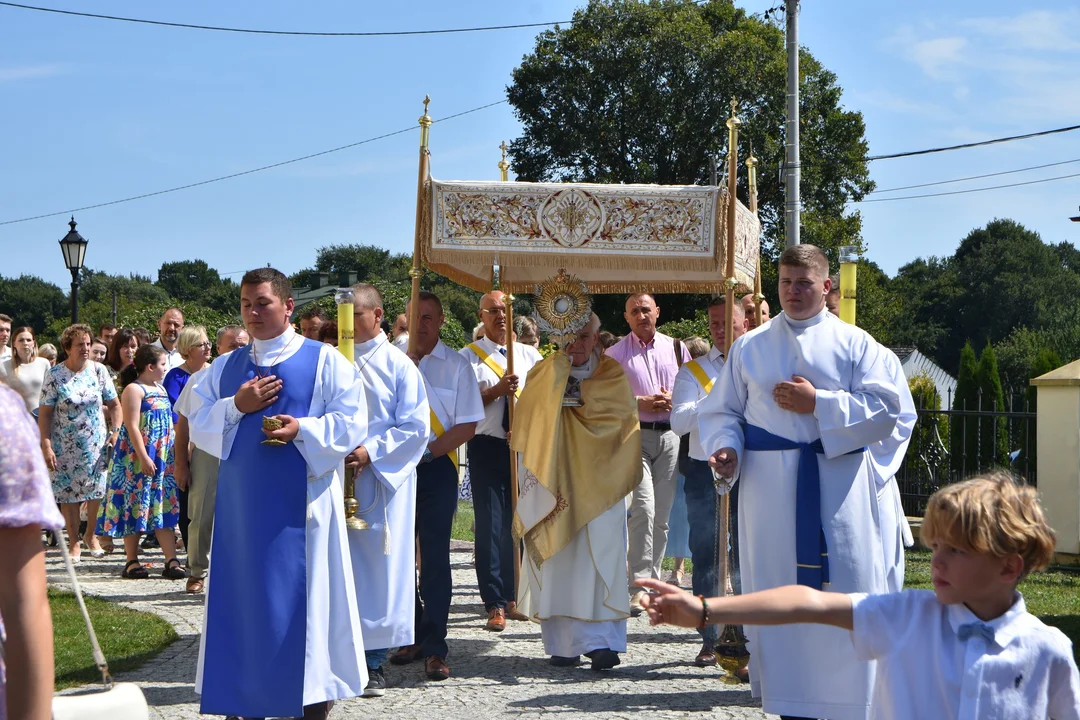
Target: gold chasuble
{"type": "Point", "coordinates": [578, 461]}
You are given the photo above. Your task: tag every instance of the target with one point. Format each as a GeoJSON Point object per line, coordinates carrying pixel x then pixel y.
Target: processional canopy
{"type": "Point", "coordinates": [616, 238]}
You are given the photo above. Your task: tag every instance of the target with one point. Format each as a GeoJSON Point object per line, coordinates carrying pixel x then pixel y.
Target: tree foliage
{"type": "Point", "coordinates": [637, 92]}
{"type": "Point", "coordinates": [29, 300]}
{"type": "Point", "coordinates": [993, 431]}
{"type": "Point", "coordinates": [964, 431]}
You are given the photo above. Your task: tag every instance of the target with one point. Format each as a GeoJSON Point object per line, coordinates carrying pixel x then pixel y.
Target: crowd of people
{"type": "Point", "coordinates": [621, 448]}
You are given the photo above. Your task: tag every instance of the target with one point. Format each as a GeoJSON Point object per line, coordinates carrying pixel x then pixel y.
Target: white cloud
{"type": "Point", "coordinates": [32, 72]}
{"type": "Point", "coordinates": [939, 57]}
{"type": "Point", "coordinates": [1049, 31]}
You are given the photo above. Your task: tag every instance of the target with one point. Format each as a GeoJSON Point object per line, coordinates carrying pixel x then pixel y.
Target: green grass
{"type": "Point", "coordinates": [128, 638]}
{"type": "Point", "coordinates": [462, 529]}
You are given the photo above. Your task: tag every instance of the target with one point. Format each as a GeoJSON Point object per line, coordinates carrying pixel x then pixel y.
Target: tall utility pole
{"type": "Point", "coordinates": [792, 202]}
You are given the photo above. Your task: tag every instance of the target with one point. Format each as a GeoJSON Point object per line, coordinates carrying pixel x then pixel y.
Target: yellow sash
{"type": "Point", "coordinates": [436, 425]}
{"type": "Point", "coordinates": [490, 362]}
{"type": "Point", "coordinates": [699, 374]}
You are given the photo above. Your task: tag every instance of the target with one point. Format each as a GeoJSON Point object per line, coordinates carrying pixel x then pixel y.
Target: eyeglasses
{"type": "Point", "coordinates": [203, 345]}
{"type": "Point", "coordinates": [494, 311]}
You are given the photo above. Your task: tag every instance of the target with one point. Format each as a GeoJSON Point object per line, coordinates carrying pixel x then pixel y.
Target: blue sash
{"type": "Point", "coordinates": [256, 621]}
{"type": "Point", "coordinates": [811, 550]}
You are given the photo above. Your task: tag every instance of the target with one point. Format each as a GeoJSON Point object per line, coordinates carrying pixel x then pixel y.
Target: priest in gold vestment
{"type": "Point", "coordinates": [577, 465]}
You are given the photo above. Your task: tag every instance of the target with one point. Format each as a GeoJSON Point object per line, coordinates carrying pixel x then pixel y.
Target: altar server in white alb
{"type": "Point", "coordinates": [796, 406]}
{"type": "Point", "coordinates": [888, 456]}
{"type": "Point", "coordinates": [282, 636]}
{"type": "Point", "coordinates": [384, 555]}
{"type": "Point", "coordinates": [578, 464]}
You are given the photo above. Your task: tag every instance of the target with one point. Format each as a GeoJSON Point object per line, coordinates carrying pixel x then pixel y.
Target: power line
{"type": "Point", "coordinates": [251, 31]}
{"type": "Point", "coordinates": [972, 190]}
{"type": "Point", "coordinates": [976, 177]}
{"type": "Point", "coordinates": [295, 33]}
{"type": "Point", "coordinates": [912, 153]}
{"type": "Point", "coordinates": [249, 172]}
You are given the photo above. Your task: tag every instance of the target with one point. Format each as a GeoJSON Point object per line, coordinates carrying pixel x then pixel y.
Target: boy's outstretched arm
{"type": "Point", "coordinates": [779, 606]}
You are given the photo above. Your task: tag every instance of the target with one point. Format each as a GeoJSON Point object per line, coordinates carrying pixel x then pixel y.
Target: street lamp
{"type": "Point", "coordinates": [74, 248]}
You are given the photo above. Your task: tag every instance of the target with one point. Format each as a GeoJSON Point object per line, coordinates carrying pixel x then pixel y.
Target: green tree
{"type": "Point", "coordinates": [29, 300]}
{"type": "Point", "coordinates": [637, 91]}
{"type": "Point", "coordinates": [698, 326]}
{"type": "Point", "coordinates": [195, 281]}
{"type": "Point", "coordinates": [993, 441]}
{"type": "Point", "coordinates": [964, 432]}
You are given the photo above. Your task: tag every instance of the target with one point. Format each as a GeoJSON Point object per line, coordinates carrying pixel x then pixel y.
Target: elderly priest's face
{"type": "Point", "coordinates": [582, 348]}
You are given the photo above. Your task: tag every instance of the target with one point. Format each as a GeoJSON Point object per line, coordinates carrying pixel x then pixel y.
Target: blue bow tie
{"type": "Point", "coordinates": [973, 629]}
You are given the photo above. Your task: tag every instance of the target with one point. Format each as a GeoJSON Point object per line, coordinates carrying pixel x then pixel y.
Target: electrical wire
{"type": "Point", "coordinates": [912, 153]}
{"type": "Point", "coordinates": [249, 172]}
{"type": "Point", "coordinates": [295, 33]}
{"type": "Point", "coordinates": [976, 177]}
{"type": "Point", "coordinates": [972, 190]}
{"type": "Point", "coordinates": [252, 31]}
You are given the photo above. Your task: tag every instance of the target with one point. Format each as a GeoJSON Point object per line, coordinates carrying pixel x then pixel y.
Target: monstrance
{"type": "Point", "coordinates": [562, 310]}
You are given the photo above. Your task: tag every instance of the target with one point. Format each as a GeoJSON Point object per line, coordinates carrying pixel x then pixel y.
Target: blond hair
{"type": "Point", "coordinates": [993, 514]}
{"type": "Point", "coordinates": [696, 346]}
{"type": "Point", "coordinates": [190, 336]}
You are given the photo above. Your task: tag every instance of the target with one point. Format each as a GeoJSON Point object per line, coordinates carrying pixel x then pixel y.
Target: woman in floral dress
{"type": "Point", "coordinates": [74, 433]}
{"type": "Point", "coordinates": [142, 491]}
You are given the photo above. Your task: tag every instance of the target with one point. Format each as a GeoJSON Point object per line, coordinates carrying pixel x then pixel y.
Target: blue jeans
{"type": "Point", "coordinates": [702, 518]}
{"type": "Point", "coordinates": [375, 658]}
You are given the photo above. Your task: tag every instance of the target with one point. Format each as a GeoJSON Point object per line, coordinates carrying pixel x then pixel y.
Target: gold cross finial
{"type": "Point", "coordinates": [734, 106]}
{"type": "Point", "coordinates": [504, 167]}
{"type": "Point", "coordinates": [427, 99]}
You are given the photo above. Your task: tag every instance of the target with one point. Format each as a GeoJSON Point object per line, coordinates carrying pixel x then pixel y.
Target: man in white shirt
{"type": "Point", "coordinates": [693, 384]}
{"type": "Point", "coordinates": [454, 409]}
{"type": "Point", "coordinates": [169, 326]}
{"type": "Point", "coordinates": [384, 554]}
{"type": "Point", "coordinates": [282, 635]}
{"type": "Point", "coordinates": [489, 459]}
{"type": "Point", "coordinates": [5, 335]}
{"type": "Point", "coordinates": [797, 403]}
{"type": "Point", "coordinates": [399, 331]}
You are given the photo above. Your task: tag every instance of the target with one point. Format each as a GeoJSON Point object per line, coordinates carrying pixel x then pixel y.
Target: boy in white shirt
{"type": "Point", "coordinates": [969, 649]}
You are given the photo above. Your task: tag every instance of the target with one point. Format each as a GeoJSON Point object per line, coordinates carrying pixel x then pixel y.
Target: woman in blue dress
{"type": "Point", "coordinates": [142, 492]}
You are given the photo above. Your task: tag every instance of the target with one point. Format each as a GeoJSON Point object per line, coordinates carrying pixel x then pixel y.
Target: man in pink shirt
{"type": "Point", "coordinates": [648, 358]}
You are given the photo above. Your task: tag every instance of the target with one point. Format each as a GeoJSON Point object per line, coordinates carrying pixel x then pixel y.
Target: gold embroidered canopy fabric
{"type": "Point", "coordinates": [617, 238]}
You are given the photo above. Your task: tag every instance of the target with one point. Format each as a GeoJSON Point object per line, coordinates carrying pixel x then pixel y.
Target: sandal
{"type": "Point", "coordinates": [173, 571]}
{"type": "Point", "coordinates": [138, 573]}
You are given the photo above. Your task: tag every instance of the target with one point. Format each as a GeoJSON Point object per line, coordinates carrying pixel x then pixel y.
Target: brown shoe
{"type": "Point", "coordinates": [706, 657]}
{"type": "Point", "coordinates": [194, 585]}
{"type": "Point", "coordinates": [512, 613]}
{"type": "Point", "coordinates": [436, 668]}
{"type": "Point", "coordinates": [496, 620]}
{"type": "Point", "coordinates": [405, 655]}
{"type": "Point", "coordinates": [743, 673]}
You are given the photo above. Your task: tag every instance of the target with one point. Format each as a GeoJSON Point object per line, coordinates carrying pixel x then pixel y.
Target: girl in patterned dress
{"type": "Point", "coordinates": [142, 492]}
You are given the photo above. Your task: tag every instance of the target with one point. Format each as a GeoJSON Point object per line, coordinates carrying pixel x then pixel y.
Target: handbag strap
{"type": "Point", "coordinates": [99, 657]}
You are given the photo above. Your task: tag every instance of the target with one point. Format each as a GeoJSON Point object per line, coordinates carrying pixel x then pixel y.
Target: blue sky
{"type": "Point", "coordinates": [93, 111]}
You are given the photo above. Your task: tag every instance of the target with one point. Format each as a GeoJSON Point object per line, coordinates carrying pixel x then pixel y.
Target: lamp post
{"type": "Point", "coordinates": [74, 248]}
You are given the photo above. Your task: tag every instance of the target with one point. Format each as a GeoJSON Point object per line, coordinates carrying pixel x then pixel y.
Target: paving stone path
{"type": "Point", "coordinates": [493, 674]}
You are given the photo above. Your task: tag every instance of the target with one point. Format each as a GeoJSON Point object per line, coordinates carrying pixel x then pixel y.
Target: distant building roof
{"type": "Point", "coordinates": [915, 363]}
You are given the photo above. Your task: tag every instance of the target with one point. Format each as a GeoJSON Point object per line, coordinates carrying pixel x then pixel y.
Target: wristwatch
{"type": "Point", "coordinates": [427, 457]}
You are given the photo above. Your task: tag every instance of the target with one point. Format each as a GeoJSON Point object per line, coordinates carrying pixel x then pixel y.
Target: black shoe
{"type": "Point", "coordinates": [604, 659]}
{"type": "Point", "coordinates": [561, 661]}
{"type": "Point", "coordinates": [376, 684]}
{"type": "Point", "coordinates": [150, 541]}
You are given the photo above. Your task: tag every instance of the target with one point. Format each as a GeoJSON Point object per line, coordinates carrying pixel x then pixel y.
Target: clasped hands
{"type": "Point", "coordinates": [660, 402]}
{"type": "Point", "coordinates": [260, 393]}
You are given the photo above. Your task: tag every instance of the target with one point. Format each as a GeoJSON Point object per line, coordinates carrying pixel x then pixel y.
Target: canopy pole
{"type": "Point", "coordinates": [751, 168]}
{"type": "Point", "coordinates": [417, 270]}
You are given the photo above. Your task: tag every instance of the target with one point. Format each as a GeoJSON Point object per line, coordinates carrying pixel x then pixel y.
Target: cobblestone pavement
{"type": "Point", "coordinates": [493, 674]}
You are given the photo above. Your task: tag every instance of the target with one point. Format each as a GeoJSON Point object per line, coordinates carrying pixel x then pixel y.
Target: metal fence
{"type": "Point", "coordinates": [948, 445]}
